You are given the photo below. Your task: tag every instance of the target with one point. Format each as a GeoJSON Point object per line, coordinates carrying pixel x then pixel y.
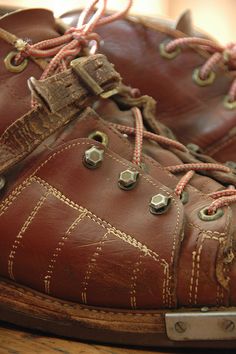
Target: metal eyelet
{"type": "Point", "coordinates": [168, 55]}
{"type": "Point", "coordinates": [203, 82]}
{"type": "Point", "coordinates": [99, 137]}
{"type": "Point", "coordinates": [229, 104]}
{"type": "Point", "coordinates": [203, 214]}
{"type": "Point", "coordinates": [8, 61]}
{"type": "Point", "coordinates": [184, 197]}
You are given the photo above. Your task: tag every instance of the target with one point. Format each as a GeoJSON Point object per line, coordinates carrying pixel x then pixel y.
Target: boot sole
{"type": "Point", "coordinates": [27, 308]}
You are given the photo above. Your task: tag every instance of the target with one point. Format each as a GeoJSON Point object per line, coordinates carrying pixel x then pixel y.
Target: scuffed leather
{"type": "Point", "coordinates": [77, 236]}
{"type": "Point", "coordinates": [195, 114]}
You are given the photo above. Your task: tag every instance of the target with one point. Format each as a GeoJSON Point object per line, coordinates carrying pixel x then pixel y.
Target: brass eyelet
{"type": "Point", "coordinates": [203, 214]}
{"type": "Point", "coordinates": [168, 55]}
{"type": "Point", "coordinates": [184, 197]}
{"type": "Point", "coordinates": [8, 61]}
{"type": "Point", "coordinates": [99, 137]}
{"type": "Point", "coordinates": [229, 104]}
{"type": "Point", "coordinates": [203, 82]}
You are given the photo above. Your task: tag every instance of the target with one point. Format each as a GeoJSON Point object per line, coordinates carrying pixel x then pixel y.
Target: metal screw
{"type": "Point", "coordinates": [180, 327]}
{"type": "Point", "coordinates": [228, 326]}
{"type": "Point", "coordinates": [159, 204]}
{"type": "Point", "coordinates": [93, 157]}
{"type": "Point", "coordinates": [128, 179]}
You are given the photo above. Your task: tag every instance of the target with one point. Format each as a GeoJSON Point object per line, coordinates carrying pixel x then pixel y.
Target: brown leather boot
{"type": "Point", "coordinates": [199, 106]}
{"type": "Point", "coordinates": [115, 253]}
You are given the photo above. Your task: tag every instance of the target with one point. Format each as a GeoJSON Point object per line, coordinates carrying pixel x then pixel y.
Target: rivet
{"type": "Point", "coordinates": [180, 327]}
{"type": "Point", "coordinates": [159, 204]}
{"type": "Point", "coordinates": [93, 157]}
{"type": "Point", "coordinates": [128, 179]}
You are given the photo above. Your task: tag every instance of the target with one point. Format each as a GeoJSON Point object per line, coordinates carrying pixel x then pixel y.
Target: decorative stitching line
{"type": "Point", "coordinates": [134, 279]}
{"type": "Point", "coordinates": [58, 250]}
{"type": "Point", "coordinates": [198, 260]}
{"type": "Point", "coordinates": [19, 237]}
{"type": "Point", "coordinates": [16, 192]}
{"type": "Point", "coordinates": [91, 267]}
{"type": "Point", "coordinates": [125, 164]}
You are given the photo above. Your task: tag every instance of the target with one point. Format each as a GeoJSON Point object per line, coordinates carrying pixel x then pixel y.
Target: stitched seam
{"type": "Point", "coordinates": [198, 260]}
{"type": "Point", "coordinates": [208, 232]}
{"type": "Point", "coordinates": [58, 250]}
{"type": "Point", "coordinates": [133, 285]}
{"type": "Point", "coordinates": [122, 235]}
{"type": "Point", "coordinates": [91, 266]}
{"type": "Point", "coordinates": [9, 200]}
{"type": "Point", "coordinates": [19, 237]}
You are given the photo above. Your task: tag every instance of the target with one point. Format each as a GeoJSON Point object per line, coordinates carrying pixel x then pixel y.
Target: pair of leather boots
{"type": "Point", "coordinates": [110, 228]}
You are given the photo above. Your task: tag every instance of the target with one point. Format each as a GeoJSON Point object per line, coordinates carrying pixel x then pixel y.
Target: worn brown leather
{"type": "Point", "coordinates": [86, 240]}
{"type": "Point", "coordinates": [195, 114]}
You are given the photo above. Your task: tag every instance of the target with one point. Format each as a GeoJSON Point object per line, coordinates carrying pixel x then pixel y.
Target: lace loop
{"type": "Point", "coordinates": [225, 54]}
{"type": "Point", "coordinates": [221, 198]}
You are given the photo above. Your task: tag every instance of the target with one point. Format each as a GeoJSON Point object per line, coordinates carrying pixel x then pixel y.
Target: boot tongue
{"type": "Point", "coordinates": [35, 25]}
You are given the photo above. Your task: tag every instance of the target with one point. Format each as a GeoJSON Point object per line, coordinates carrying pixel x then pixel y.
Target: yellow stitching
{"type": "Point", "coordinates": [19, 237]}
{"type": "Point", "coordinates": [206, 231]}
{"type": "Point", "coordinates": [122, 235]}
{"type": "Point", "coordinates": [91, 267]}
{"type": "Point", "coordinates": [192, 276]}
{"type": "Point", "coordinates": [133, 285]}
{"type": "Point", "coordinates": [8, 201]}
{"type": "Point", "coordinates": [53, 260]}
{"type": "Point", "coordinates": [199, 260]}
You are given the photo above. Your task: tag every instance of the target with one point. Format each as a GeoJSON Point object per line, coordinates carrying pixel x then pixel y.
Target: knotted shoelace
{"type": "Point", "coordinates": [219, 54]}
{"type": "Point", "coordinates": [63, 49]}
{"type": "Point", "coordinates": [222, 198]}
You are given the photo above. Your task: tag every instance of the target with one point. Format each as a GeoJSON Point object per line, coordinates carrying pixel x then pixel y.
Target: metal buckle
{"type": "Point", "coordinates": [90, 82]}
{"type": "Point", "coordinates": [197, 326]}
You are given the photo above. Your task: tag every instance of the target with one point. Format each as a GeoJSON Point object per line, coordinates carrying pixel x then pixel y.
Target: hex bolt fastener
{"type": "Point", "coordinates": [159, 204]}
{"type": "Point", "coordinates": [93, 157]}
{"type": "Point", "coordinates": [128, 179]}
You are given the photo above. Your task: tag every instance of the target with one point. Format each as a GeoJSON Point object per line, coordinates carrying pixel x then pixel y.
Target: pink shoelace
{"type": "Point", "coordinates": [63, 49]}
{"type": "Point", "coordinates": [222, 198]}
{"type": "Point", "coordinates": [219, 54]}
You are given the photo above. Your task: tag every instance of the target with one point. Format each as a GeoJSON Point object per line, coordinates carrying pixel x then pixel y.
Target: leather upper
{"type": "Point", "coordinates": [195, 114]}
{"type": "Point", "coordinates": [71, 232]}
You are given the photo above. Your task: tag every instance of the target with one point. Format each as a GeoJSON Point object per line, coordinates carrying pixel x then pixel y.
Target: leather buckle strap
{"type": "Point", "coordinates": [62, 97]}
